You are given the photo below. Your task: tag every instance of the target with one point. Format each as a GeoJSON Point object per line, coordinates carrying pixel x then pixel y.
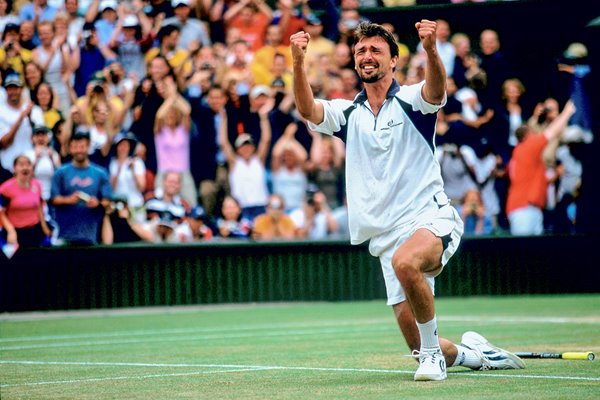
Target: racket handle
{"type": "Point", "coordinates": [573, 355]}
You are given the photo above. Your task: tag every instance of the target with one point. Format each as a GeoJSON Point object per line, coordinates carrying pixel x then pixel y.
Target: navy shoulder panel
{"type": "Point", "coordinates": [343, 132]}
{"type": "Point", "coordinates": [425, 123]}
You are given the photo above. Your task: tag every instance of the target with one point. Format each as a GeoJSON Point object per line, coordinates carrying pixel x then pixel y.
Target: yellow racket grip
{"type": "Point", "coordinates": [579, 355]}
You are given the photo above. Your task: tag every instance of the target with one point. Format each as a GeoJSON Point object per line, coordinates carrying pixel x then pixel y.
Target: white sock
{"type": "Point", "coordinates": [429, 336]}
{"type": "Point", "coordinates": [466, 357]}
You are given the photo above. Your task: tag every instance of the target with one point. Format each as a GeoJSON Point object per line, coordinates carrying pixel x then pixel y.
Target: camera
{"type": "Point", "coordinates": [10, 46]}
{"type": "Point", "coordinates": [98, 89]}
{"type": "Point", "coordinates": [206, 67]}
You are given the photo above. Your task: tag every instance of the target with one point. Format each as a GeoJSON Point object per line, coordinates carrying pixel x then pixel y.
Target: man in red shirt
{"type": "Point", "coordinates": [527, 173]}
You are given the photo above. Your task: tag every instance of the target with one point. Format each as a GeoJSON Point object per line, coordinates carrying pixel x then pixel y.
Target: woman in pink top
{"type": "Point", "coordinates": [172, 138]}
{"type": "Point", "coordinates": [21, 211]}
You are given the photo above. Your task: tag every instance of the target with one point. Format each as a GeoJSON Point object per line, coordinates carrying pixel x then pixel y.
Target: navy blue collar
{"type": "Point", "coordinates": [392, 91]}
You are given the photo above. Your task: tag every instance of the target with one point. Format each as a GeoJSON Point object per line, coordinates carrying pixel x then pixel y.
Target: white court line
{"type": "Point", "coordinates": [251, 368]}
{"type": "Point", "coordinates": [269, 327]}
{"type": "Point", "coordinates": [125, 378]}
{"type": "Point", "coordinates": [220, 336]}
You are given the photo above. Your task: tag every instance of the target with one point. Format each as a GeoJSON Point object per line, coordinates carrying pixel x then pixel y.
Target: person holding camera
{"type": "Point", "coordinates": [12, 54]}
{"type": "Point", "coordinates": [128, 174]}
{"type": "Point", "coordinates": [314, 219]}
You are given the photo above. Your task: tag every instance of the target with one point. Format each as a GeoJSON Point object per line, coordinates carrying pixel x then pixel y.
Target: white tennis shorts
{"type": "Point", "coordinates": [440, 218]}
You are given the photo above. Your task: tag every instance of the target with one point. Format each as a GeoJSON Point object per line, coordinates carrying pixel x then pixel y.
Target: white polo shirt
{"type": "Point", "coordinates": [392, 173]}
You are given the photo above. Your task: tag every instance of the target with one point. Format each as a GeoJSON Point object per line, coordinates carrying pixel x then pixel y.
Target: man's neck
{"type": "Point", "coordinates": [377, 92]}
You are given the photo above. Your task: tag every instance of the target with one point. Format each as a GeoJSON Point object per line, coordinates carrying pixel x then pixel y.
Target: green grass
{"type": "Point", "coordinates": [292, 351]}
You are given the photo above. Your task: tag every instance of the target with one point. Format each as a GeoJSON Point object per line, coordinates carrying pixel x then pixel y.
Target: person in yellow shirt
{"type": "Point", "coordinates": [263, 57]}
{"type": "Point", "coordinates": [179, 59]}
{"type": "Point", "coordinates": [12, 55]}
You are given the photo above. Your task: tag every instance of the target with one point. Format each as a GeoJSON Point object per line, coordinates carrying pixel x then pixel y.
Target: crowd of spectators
{"type": "Point", "coordinates": [173, 121]}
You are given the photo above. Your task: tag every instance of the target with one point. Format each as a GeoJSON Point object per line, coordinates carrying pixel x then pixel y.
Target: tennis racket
{"type": "Point", "coordinates": [570, 355]}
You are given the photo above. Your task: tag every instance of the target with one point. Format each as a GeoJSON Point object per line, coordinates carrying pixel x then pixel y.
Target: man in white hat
{"type": "Point", "coordinates": [16, 121]}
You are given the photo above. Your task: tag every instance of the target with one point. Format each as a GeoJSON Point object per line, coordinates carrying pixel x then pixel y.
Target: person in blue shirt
{"type": "Point", "coordinates": [81, 192]}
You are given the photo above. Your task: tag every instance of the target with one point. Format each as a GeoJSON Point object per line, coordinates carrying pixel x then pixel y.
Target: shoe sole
{"type": "Point", "coordinates": [478, 339]}
{"type": "Point", "coordinates": [422, 378]}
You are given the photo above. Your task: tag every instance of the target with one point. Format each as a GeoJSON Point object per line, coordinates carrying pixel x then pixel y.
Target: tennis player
{"type": "Point", "coordinates": [394, 188]}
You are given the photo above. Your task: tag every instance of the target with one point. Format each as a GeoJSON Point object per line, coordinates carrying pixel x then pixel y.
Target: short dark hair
{"type": "Point", "coordinates": [370, 29]}
{"type": "Point", "coordinates": [521, 132]}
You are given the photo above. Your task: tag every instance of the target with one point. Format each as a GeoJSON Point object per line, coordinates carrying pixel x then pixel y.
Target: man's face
{"type": "Point", "coordinates": [373, 59]}
{"type": "Point", "coordinates": [182, 12]}
{"type": "Point", "coordinates": [13, 95]}
{"type": "Point", "coordinates": [79, 149]}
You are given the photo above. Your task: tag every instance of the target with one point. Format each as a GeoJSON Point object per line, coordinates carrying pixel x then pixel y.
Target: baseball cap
{"type": "Point", "coordinates": [108, 4]}
{"type": "Point", "coordinates": [125, 136]}
{"type": "Point", "coordinates": [13, 80]}
{"type": "Point", "coordinates": [259, 90]}
{"type": "Point", "coordinates": [312, 19]}
{"type": "Point", "coordinates": [243, 139]}
{"type": "Point", "coordinates": [198, 213]}
{"type": "Point", "coordinates": [98, 77]}
{"type": "Point", "coordinates": [130, 21]}
{"type": "Point", "coordinates": [41, 129]}
{"type": "Point", "coordinates": [11, 26]}
{"type": "Point", "coordinates": [576, 50]}
{"type": "Point", "coordinates": [176, 3]}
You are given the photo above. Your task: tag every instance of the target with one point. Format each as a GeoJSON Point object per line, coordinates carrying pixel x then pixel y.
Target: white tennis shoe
{"type": "Point", "coordinates": [432, 366]}
{"type": "Point", "coordinates": [492, 357]}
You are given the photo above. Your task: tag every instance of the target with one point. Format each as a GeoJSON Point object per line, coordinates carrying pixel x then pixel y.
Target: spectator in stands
{"type": "Point", "coordinates": [22, 207]}
{"type": "Point", "coordinates": [326, 168]}
{"type": "Point", "coordinates": [264, 58]}
{"type": "Point", "coordinates": [314, 219]}
{"type": "Point", "coordinates": [166, 212]}
{"type": "Point", "coordinates": [274, 223]}
{"type": "Point", "coordinates": [27, 37]}
{"type": "Point", "coordinates": [251, 17]}
{"type": "Point", "coordinates": [34, 76]}
{"type": "Point", "coordinates": [43, 96]}
{"type": "Point", "coordinates": [107, 22]}
{"type": "Point", "coordinates": [7, 15]}
{"type": "Point", "coordinates": [12, 54]}
{"type": "Point", "coordinates": [290, 15]}
{"type": "Point", "coordinates": [119, 226]}
{"type": "Point", "coordinates": [495, 64]}
{"type": "Point", "coordinates": [193, 34]}
{"type": "Point", "coordinates": [288, 175]}
{"type": "Point", "coordinates": [81, 192]}
{"type": "Point", "coordinates": [198, 222]}
{"type": "Point", "coordinates": [130, 41]}
{"type": "Point", "coordinates": [74, 22]}
{"type": "Point", "coordinates": [463, 58]}
{"type": "Point", "coordinates": [247, 170]}
{"type": "Point", "coordinates": [44, 158]}
{"type": "Point", "coordinates": [527, 173]}
{"type": "Point", "coordinates": [172, 132]}
{"type": "Point", "coordinates": [128, 174]}
{"type": "Point", "coordinates": [37, 11]}
{"type": "Point", "coordinates": [209, 162]}
{"type": "Point", "coordinates": [322, 44]}
{"type": "Point", "coordinates": [473, 214]}
{"type": "Point", "coordinates": [231, 223]}
{"type": "Point", "coordinates": [147, 101]}
{"type": "Point", "coordinates": [90, 57]}
{"type": "Point", "coordinates": [54, 57]}
{"type": "Point", "coordinates": [16, 121]}
{"type": "Point", "coordinates": [348, 86]}
{"type": "Point", "coordinates": [178, 58]}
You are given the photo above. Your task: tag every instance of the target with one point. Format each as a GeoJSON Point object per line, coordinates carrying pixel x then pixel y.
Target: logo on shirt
{"type": "Point", "coordinates": [391, 123]}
